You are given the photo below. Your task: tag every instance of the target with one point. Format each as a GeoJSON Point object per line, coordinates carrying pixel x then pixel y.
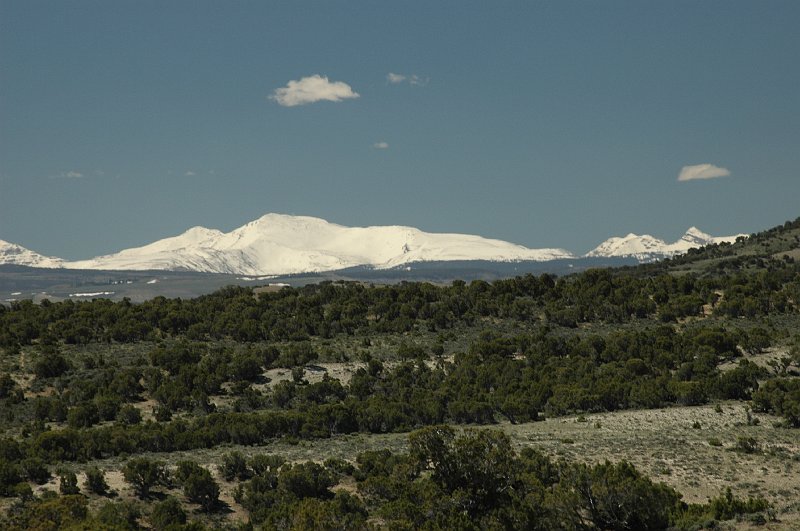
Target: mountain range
{"type": "Point", "coordinates": [277, 244]}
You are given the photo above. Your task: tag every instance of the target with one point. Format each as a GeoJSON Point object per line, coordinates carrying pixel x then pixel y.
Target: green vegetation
{"type": "Point", "coordinates": [144, 474]}
{"type": "Point", "coordinates": [85, 384]}
{"type": "Point", "coordinates": [96, 481]}
{"type": "Point", "coordinates": [474, 480]}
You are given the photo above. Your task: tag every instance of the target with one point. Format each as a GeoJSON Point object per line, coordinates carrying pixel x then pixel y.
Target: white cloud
{"type": "Point", "coordinates": [381, 145]}
{"type": "Point", "coordinates": [71, 174]}
{"type": "Point", "coordinates": [413, 79]}
{"type": "Point", "coordinates": [190, 173]}
{"type": "Point", "coordinates": [312, 89]}
{"type": "Point", "coordinates": [702, 171]}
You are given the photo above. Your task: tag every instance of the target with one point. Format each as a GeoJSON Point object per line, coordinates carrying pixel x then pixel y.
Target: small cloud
{"type": "Point", "coordinates": [312, 89]}
{"type": "Point", "coordinates": [381, 145]}
{"type": "Point", "coordinates": [71, 174]}
{"type": "Point", "coordinates": [702, 171]}
{"type": "Point", "coordinates": [189, 173]}
{"type": "Point", "coordinates": [413, 79]}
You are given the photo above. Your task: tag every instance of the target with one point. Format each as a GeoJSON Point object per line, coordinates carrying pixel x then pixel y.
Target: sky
{"type": "Point", "coordinates": [545, 123]}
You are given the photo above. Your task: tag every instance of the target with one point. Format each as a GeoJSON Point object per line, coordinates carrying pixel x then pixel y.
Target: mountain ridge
{"type": "Point", "coordinates": [279, 244]}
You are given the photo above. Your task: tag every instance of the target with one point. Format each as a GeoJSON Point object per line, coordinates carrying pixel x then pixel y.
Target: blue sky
{"type": "Point", "coordinates": [543, 123]}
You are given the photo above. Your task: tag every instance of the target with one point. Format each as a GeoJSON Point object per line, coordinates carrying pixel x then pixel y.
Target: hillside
{"type": "Point", "coordinates": [656, 388]}
{"type": "Point", "coordinates": [778, 243]}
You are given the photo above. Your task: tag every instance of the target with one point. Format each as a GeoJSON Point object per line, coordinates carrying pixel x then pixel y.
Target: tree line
{"type": "Point", "coordinates": [331, 308]}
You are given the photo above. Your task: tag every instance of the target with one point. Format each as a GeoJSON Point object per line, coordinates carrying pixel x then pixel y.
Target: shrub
{"type": "Point", "coordinates": [53, 512]}
{"type": "Point", "coordinates": [343, 512]}
{"type": "Point", "coordinates": [144, 474]}
{"type": "Point", "coordinates": [234, 466]}
{"type": "Point", "coordinates": [198, 484]}
{"type": "Point", "coordinates": [723, 507]}
{"type": "Point", "coordinates": [167, 513]}
{"type": "Point", "coordinates": [129, 415]}
{"type": "Point", "coordinates": [50, 365]}
{"type": "Point", "coordinates": [7, 384]}
{"type": "Point", "coordinates": [306, 480]}
{"type": "Point", "coordinates": [263, 463]}
{"type": "Point", "coordinates": [35, 470]}
{"type": "Point", "coordinates": [727, 506]}
{"type": "Point", "coordinates": [83, 416]}
{"type": "Point", "coordinates": [68, 483]}
{"type": "Point", "coordinates": [10, 475]}
{"type": "Point", "coordinates": [119, 515]}
{"type": "Point", "coordinates": [96, 481]}
{"type": "Point", "coordinates": [747, 445]}
{"type": "Point", "coordinates": [339, 466]}
{"type": "Point", "coordinates": [617, 496]}
{"type": "Point", "coordinates": [107, 407]}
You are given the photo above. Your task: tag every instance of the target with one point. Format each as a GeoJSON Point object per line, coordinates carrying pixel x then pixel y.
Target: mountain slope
{"type": "Point", "coordinates": [280, 244]}
{"type": "Point", "coordinates": [646, 248]}
{"type": "Point", "coordinates": [11, 253]}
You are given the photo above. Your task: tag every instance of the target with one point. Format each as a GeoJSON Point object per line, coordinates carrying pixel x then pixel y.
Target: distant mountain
{"type": "Point", "coordinates": [278, 244]}
{"type": "Point", "coordinates": [646, 248]}
{"type": "Point", "coordinates": [11, 253]}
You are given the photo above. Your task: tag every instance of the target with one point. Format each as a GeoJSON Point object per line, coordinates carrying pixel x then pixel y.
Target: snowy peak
{"type": "Point", "coordinates": [630, 245]}
{"type": "Point", "coordinates": [196, 236]}
{"type": "Point", "coordinates": [696, 237]}
{"type": "Point", "coordinates": [694, 231]}
{"type": "Point", "coordinates": [647, 248]}
{"type": "Point", "coordinates": [11, 253]}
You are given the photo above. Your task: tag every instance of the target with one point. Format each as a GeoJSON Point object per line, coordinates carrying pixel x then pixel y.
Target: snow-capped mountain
{"type": "Point", "coordinates": [11, 253]}
{"type": "Point", "coordinates": [646, 248]}
{"type": "Point", "coordinates": [630, 245]}
{"type": "Point", "coordinates": [278, 244]}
